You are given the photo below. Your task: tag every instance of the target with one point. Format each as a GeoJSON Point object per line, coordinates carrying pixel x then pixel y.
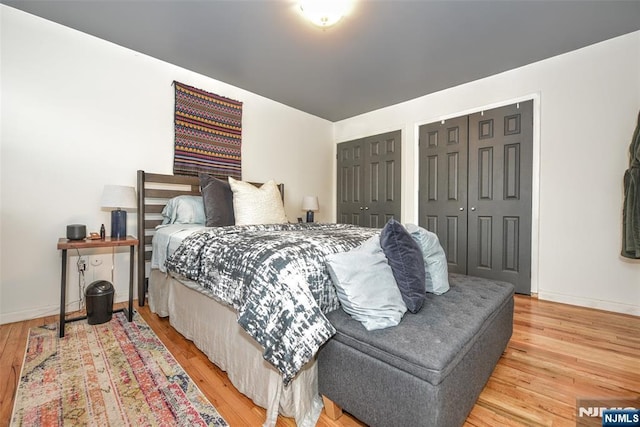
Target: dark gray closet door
{"type": "Point", "coordinates": [443, 187]}
{"type": "Point", "coordinates": [350, 176]}
{"type": "Point", "coordinates": [369, 180]}
{"type": "Point", "coordinates": [500, 185]}
{"type": "Point", "coordinates": [475, 191]}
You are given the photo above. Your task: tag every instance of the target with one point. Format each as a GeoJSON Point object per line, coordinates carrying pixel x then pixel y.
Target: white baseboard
{"type": "Point", "coordinates": [49, 310]}
{"type": "Point", "coordinates": [591, 303]}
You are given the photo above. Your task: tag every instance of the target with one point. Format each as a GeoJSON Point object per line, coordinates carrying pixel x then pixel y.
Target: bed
{"type": "Point", "coordinates": [224, 326]}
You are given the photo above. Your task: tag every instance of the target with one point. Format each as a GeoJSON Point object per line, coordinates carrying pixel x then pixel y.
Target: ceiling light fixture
{"type": "Point", "coordinates": [324, 13]}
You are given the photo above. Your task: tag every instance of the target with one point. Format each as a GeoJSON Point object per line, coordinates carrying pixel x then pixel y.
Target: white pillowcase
{"type": "Point", "coordinates": [365, 285]}
{"type": "Point", "coordinates": [253, 205]}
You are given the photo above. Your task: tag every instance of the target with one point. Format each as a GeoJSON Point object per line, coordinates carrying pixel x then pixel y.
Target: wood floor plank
{"type": "Point", "coordinates": [240, 404]}
{"type": "Point", "coordinates": [482, 416]}
{"type": "Point", "coordinates": [541, 361]}
{"type": "Point", "coordinates": [558, 353]}
{"type": "Point", "coordinates": [11, 360]}
{"type": "Point", "coordinates": [509, 396]}
{"type": "Point", "coordinates": [9, 381]}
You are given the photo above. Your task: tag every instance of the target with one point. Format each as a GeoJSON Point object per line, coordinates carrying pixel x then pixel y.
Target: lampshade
{"type": "Point", "coordinates": [119, 197]}
{"type": "Point", "coordinates": [324, 13]}
{"type": "Point", "coordinates": [310, 203]}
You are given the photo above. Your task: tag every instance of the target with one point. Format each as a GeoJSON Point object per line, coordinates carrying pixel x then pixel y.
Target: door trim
{"type": "Point", "coordinates": [535, 167]}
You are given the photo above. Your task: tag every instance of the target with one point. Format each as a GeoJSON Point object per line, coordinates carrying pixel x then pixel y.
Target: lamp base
{"type": "Point", "coordinates": [309, 216]}
{"type": "Point", "coordinates": [118, 224]}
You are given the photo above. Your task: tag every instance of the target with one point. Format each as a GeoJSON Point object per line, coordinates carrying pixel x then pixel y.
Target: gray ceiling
{"type": "Point", "coordinates": [382, 53]}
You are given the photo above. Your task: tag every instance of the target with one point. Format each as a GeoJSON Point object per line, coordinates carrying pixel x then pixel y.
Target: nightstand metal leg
{"type": "Point", "coordinates": [131, 262]}
{"type": "Point", "coordinates": [63, 291]}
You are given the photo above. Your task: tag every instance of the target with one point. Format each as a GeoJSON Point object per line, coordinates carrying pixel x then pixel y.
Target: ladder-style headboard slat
{"type": "Point", "coordinates": [154, 190]}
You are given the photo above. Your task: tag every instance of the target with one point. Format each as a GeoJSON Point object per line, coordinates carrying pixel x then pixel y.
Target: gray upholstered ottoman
{"type": "Point", "coordinates": [428, 370]}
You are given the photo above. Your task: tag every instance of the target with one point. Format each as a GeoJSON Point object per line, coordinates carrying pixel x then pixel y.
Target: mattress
{"type": "Point", "coordinates": [212, 326]}
{"type": "Point", "coordinates": [276, 278]}
{"type": "Point", "coordinates": [167, 239]}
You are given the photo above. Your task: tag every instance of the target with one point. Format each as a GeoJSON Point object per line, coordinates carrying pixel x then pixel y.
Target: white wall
{"type": "Point", "coordinates": [70, 103]}
{"type": "Point", "coordinates": [587, 104]}
{"type": "Point", "coordinates": [79, 113]}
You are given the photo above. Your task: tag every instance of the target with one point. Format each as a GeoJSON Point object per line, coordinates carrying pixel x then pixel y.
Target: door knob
{"type": "Point", "coordinates": [461, 209]}
{"type": "Point", "coordinates": [473, 208]}
{"type": "Point", "coordinates": [366, 208]}
{"type": "Point", "coordinates": [361, 208]}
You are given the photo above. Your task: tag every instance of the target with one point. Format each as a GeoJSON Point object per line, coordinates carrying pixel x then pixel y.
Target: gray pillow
{"type": "Point", "coordinates": [218, 201]}
{"type": "Point", "coordinates": [365, 285]}
{"type": "Point", "coordinates": [435, 260]}
{"type": "Point", "coordinates": [183, 210]}
{"type": "Point", "coordinates": [407, 264]}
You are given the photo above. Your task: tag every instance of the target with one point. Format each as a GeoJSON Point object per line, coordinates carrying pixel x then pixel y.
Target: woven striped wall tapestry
{"type": "Point", "coordinates": [208, 133]}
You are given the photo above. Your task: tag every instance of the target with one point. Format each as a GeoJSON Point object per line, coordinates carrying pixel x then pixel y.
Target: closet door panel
{"type": "Point", "coordinates": [500, 183]}
{"type": "Point", "coordinates": [350, 174]}
{"type": "Point", "coordinates": [382, 193]}
{"type": "Point", "coordinates": [442, 194]}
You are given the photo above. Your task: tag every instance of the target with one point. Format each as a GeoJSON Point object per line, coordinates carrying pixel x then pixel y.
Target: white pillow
{"type": "Point", "coordinates": [365, 285]}
{"type": "Point", "coordinates": [253, 205]}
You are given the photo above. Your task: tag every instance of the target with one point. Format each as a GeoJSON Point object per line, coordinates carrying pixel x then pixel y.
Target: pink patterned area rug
{"type": "Point", "coordinates": [114, 374]}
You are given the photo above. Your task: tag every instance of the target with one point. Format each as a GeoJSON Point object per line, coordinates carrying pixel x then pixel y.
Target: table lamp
{"type": "Point", "coordinates": [118, 197]}
{"type": "Point", "coordinates": [310, 204]}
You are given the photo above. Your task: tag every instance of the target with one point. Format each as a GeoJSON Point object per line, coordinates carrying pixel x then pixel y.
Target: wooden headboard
{"type": "Point", "coordinates": [154, 191]}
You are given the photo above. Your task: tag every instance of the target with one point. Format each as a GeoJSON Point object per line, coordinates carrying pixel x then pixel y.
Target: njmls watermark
{"type": "Point", "coordinates": [608, 412]}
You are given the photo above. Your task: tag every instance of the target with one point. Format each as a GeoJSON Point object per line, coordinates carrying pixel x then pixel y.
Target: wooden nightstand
{"type": "Point", "coordinates": [65, 244]}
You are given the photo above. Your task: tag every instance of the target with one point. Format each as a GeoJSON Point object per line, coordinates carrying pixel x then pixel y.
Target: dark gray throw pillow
{"type": "Point", "coordinates": [218, 201]}
{"type": "Point", "coordinates": [406, 261]}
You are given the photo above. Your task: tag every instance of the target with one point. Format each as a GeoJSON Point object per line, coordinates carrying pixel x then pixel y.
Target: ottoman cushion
{"type": "Point", "coordinates": [430, 343]}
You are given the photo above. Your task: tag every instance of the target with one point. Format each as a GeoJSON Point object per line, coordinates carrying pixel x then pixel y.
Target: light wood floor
{"type": "Point", "coordinates": [557, 353]}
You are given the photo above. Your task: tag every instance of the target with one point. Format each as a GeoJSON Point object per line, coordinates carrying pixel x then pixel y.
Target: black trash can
{"type": "Point", "coordinates": [99, 298]}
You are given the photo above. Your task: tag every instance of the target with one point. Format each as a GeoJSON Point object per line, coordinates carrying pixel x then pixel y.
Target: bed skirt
{"type": "Point", "coordinates": [213, 328]}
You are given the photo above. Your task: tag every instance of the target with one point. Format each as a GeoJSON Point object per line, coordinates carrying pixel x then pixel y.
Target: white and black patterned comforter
{"type": "Point", "coordinates": [275, 277]}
